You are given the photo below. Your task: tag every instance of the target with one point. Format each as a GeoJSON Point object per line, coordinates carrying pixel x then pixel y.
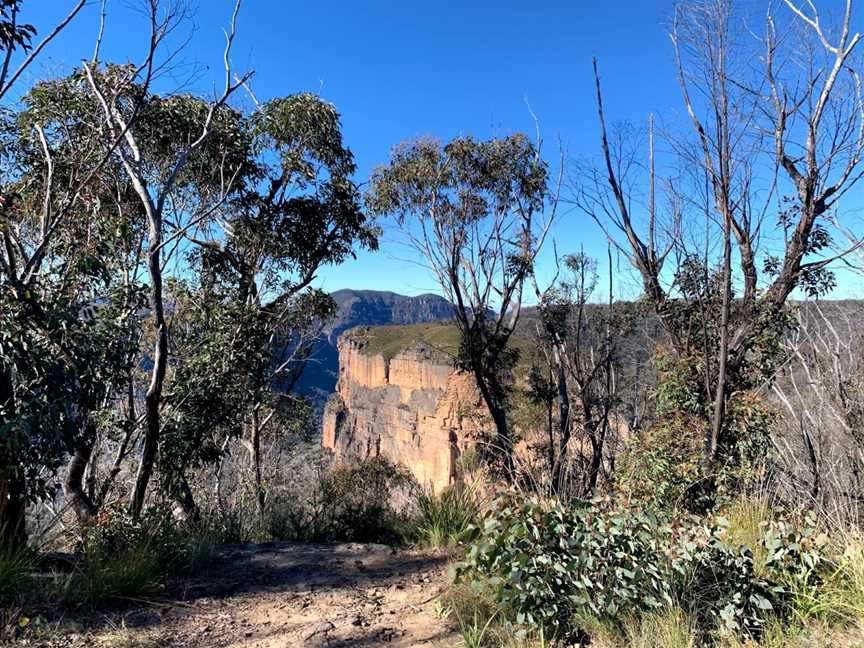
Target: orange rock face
{"type": "Point", "coordinates": [413, 409]}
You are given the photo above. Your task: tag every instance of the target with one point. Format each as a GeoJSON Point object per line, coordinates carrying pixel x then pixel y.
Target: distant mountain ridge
{"type": "Point", "coordinates": [364, 308]}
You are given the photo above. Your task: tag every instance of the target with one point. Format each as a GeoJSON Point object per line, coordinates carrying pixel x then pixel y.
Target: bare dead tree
{"type": "Point", "coordinates": [821, 157]}
{"type": "Point", "coordinates": [584, 363]}
{"type": "Point", "coordinates": [736, 106]}
{"type": "Point", "coordinates": [820, 440]}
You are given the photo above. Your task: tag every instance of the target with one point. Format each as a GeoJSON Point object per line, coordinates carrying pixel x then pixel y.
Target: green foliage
{"type": "Point", "coordinates": [123, 557]}
{"type": "Point", "coordinates": [718, 585]}
{"type": "Point", "coordinates": [16, 568]}
{"type": "Point", "coordinates": [352, 502]}
{"type": "Point", "coordinates": [13, 33]}
{"type": "Point", "coordinates": [545, 563]}
{"type": "Point", "coordinates": [447, 518]}
{"type": "Point", "coordinates": [666, 466]}
{"type": "Point", "coordinates": [471, 209]}
{"type": "Point", "coordinates": [610, 571]}
{"type": "Point", "coordinates": [469, 180]}
{"type": "Point", "coordinates": [359, 500]}
{"type": "Point", "coordinates": [796, 557]}
{"type": "Point", "coordinates": [58, 364]}
{"type": "Point", "coordinates": [222, 354]}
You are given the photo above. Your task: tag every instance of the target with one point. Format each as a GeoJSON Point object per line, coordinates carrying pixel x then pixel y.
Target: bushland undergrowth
{"type": "Point", "coordinates": [603, 573]}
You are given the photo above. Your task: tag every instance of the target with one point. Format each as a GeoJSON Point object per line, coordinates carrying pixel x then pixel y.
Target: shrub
{"type": "Point", "coordinates": [123, 557]}
{"type": "Point", "coordinates": [351, 502]}
{"type": "Point", "coordinates": [16, 567]}
{"type": "Point", "coordinates": [568, 568]}
{"type": "Point", "coordinates": [357, 502]}
{"type": "Point", "coordinates": [545, 563]}
{"type": "Point", "coordinates": [795, 557]}
{"type": "Point", "coordinates": [718, 585]}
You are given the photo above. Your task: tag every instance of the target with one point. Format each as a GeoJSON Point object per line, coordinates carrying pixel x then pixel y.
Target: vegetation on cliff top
{"type": "Point", "coordinates": [440, 339]}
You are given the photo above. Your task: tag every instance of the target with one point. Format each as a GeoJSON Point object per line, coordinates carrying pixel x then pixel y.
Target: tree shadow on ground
{"type": "Point", "coordinates": [347, 585]}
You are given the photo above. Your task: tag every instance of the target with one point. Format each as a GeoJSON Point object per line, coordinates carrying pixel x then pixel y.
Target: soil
{"type": "Point", "coordinates": [281, 595]}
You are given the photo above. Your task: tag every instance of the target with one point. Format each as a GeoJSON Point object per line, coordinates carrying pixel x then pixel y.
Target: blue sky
{"type": "Point", "coordinates": [399, 70]}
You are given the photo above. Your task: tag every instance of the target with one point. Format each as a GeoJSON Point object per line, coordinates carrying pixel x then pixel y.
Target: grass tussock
{"type": "Point", "coordinates": [447, 518]}
{"type": "Point", "coordinates": [747, 519]}
{"type": "Point", "coordinates": [16, 569]}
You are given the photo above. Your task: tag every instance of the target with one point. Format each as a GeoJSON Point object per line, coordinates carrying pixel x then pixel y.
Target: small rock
{"type": "Point", "coordinates": [315, 629]}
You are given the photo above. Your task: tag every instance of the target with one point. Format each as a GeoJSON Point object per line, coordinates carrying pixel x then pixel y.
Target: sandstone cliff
{"type": "Point", "coordinates": [366, 308]}
{"type": "Point", "coordinates": [402, 399]}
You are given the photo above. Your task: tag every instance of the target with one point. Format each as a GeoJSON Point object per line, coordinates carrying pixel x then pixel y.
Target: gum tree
{"type": "Point", "coordinates": [474, 212]}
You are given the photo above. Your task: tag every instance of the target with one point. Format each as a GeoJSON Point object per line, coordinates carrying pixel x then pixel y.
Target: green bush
{"type": "Point", "coordinates": [545, 564]}
{"type": "Point", "coordinates": [718, 585]}
{"type": "Point", "coordinates": [567, 567]}
{"type": "Point", "coordinates": [795, 558]}
{"type": "Point", "coordinates": [123, 557]}
{"type": "Point", "coordinates": [350, 502]}
{"type": "Point", "coordinates": [16, 567]}
{"type": "Point", "coordinates": [448, 517]}
{"type": "Point", "coordinates": [357, 502]}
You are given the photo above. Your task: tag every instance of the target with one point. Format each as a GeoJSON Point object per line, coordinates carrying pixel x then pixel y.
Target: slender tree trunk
{"type": "Point", "coordinates": [217, 484]}
{"type": "Point", "coordinates": [598, 442]}
{"type": "Point", "coordinates": [185, 508]}
{"type": "Point", "coordinates": [153, 399]}
{"type": "Point", "coordinates": [260, 496]}
{"type": "Point", "coordinates": [115, 467]}
{"type": "Point", "coordinates": [722, 366]}
{"type": "Point", "coordinates": [550, 430]}
{"type": "Point", "coordinates": [564, 426]}
{"type": "Point", "coordinates": [490, 390]}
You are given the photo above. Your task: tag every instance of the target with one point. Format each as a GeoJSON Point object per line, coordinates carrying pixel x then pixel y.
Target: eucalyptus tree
{"type": "Point", "coordinates": [52, 371]}
{"type": "Point", "coordinates": [474, 213]}
{"type": "Point", "coordinates": [157, 162]}
{"type": "Point", "coordinates": [295, 210]}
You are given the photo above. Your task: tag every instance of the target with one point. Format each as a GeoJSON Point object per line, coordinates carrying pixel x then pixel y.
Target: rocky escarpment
{"type": "Point", "coordinates": [366, 308]}
{"type": "Point", "coordinates": [410, 406]}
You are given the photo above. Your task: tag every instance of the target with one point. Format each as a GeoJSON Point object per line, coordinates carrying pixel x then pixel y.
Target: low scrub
{"type": "Point", "coordinates": [16, 567]}
{"type": "Point", "coordinates": [624, 577]}
{"type": "Point", "coordinates": [351, 502]}
{"type": "Point", "coordinates": [545, 564]}
{"type": "Point", "coordinates": [122, 557]}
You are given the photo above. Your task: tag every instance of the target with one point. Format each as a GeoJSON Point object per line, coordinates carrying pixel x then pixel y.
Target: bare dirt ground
{"type": "Point", "coordinates": [281, 595]}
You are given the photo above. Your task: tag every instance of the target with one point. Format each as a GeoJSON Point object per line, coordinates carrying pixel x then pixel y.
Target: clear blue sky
{"type": "Point", "coordinates": [398, 70]}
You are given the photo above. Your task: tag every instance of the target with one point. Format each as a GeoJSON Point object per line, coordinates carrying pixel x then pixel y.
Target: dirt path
{"type": "Point", "coordinates": [282, 595]}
